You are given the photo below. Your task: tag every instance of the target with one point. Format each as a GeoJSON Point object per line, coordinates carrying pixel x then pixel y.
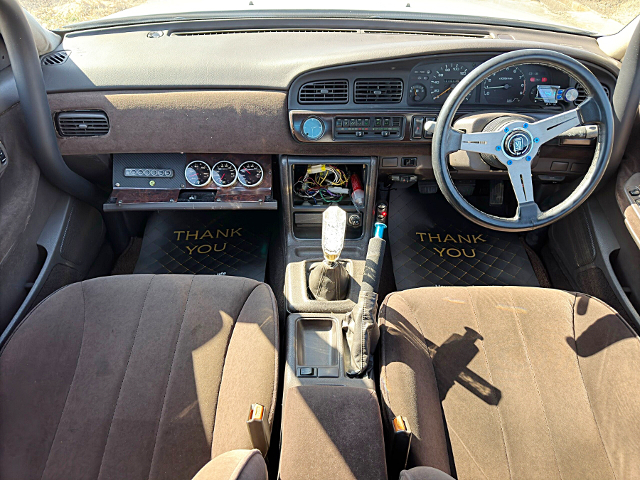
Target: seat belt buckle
{"type": "Point", "coordinates": [258, 427]}
{"type": "Point", "coordinates": [400, 445]}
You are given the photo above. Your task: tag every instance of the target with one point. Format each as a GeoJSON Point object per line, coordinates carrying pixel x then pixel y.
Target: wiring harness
{"type": "Point", "coordinates": [322, 184]}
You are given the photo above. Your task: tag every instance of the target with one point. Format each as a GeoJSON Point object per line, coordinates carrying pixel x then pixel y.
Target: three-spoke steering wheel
{"type": "Point", "coordinates": [518, 142]}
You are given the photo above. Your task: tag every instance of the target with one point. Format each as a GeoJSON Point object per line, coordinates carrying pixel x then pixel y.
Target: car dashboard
{"type": "Point", "coordinates": [174, 94]}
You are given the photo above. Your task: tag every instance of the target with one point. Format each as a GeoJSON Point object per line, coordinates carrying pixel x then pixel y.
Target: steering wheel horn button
{"type": "Point", "coordinates": [517, 143]}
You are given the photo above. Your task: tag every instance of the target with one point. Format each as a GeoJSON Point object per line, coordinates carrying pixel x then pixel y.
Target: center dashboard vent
{"type": "Point", "coordinates": [324, 91]}
{"type": "Point", "coordinates": [378, 90]}
{"type": "Point", "coordinates": [79, 123]}
{"type": "Point", "coordinates": [582, 93]}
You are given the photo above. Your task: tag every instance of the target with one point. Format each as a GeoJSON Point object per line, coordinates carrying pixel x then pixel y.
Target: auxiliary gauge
{"type": "Point", "coordinates": [198, 173]}
{"type": "Point", "coordinates": [250, 174]}
{"type": "Point", "coordinates": [224, 173]}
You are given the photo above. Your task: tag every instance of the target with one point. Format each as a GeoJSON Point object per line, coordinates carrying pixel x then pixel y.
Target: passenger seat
{"type": "Point", "coordinates": [136, 377]}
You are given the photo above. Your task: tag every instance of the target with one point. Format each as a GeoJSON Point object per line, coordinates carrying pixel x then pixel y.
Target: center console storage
{"type": "Point", "coordinates": [317, 352]}
{"type": "Point", "coordinates": [308, 198]}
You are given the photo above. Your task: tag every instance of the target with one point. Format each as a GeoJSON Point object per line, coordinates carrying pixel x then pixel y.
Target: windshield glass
{"type": "Point", "coordinates": [603, 17]}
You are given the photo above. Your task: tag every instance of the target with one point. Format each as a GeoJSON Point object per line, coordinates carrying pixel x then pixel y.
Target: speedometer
{"type": "Point", "coordinates": [505, 86]}
{"type": "Point", "coordinates": [445, 79]}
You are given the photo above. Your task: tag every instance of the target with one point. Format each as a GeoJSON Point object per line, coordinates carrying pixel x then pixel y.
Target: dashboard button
{"type": "Point", "coordinates": [418, 124]}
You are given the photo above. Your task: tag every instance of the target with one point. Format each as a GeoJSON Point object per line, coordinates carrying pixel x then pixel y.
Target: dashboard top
{"type": "Point", "coordinates": [232, 54]}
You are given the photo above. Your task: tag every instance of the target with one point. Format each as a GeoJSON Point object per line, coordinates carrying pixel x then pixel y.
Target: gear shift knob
{"type": "Point", "coordinates": [334, 224]}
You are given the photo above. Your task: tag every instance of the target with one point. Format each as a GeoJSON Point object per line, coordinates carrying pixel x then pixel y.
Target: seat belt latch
{"type": "Point", "coordinates": [400, 446]}
{"type": "Point", "coordinates": [259, 430]}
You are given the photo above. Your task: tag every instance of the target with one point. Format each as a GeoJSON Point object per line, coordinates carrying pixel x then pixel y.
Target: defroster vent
{"type": "Point", "coordinates": [323, 92]}
{"type": "Point", "coordinates": [55, 58]}
{"type": "Point", "coordinates": [89, 123]}
{"type": "Point", "coordinates": [378, 90]}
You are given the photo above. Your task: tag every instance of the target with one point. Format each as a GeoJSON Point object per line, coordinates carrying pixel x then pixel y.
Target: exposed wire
{"type": "Point", "coordinates": [314, 187]}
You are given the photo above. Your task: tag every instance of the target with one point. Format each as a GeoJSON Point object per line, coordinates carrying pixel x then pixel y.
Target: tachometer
{"type": "Point", "coordinates": [224, 173]}
{"type": "Point", "coordinates": [445, 79]}
{"type": "Point", "coordinates": [505, 86]}
{"type": "Point", "coordinates": [198, 173]}
{"type": "Point", "coordinates": [250, 174]}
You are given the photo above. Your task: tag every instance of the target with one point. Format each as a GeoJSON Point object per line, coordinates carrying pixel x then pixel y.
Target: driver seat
{"type": "Point", "coordinates": [512, 382]}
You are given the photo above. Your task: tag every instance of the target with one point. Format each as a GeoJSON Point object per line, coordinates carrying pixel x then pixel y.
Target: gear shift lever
{"type": "Point", "coordinates": [334, 223]}
{"type": "Point", "coordinates": [329, 279]}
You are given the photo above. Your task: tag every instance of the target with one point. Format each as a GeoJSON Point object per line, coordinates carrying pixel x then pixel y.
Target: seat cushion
{"type": "Point", "coordinates": [533, 383]}
{"type": "Point", "coordinates": [136, 377]}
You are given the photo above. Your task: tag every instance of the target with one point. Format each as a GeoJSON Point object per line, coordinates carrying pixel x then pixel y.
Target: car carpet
{"type": "Point", "coordinates": [432, 244]}
{"type": "Point", "coordinates": [211, 243]}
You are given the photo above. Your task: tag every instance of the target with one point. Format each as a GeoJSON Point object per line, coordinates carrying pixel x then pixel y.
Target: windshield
{"type": "Point", "coordinates": [602, 17]}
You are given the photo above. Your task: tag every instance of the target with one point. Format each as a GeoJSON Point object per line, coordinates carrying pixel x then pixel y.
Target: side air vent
{"type": "Point", "coordinates": [55, 58]}
{"type": "Point", "coordinates": [90, 123]}
{"type": "Point", "coordinates": [378, 90]}
{"type": "Point", "coordinates": [582, 94]}
{"type": "Point", "coordinates": [325, 91]}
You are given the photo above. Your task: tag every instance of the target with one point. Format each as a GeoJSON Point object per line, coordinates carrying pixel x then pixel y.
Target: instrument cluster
{"type": "Point", "coordinates": [431, 83]}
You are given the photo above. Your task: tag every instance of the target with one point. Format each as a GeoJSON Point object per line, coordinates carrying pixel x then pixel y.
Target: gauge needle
{"type": "Point", "coordinates": [442, 93]}
{"type": "Point", "coordinates": [505, 86]}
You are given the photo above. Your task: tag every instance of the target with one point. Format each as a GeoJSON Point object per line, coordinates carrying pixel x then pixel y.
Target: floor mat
{"type": "Point", "coordinates": [211, 243]}
{"type": "Point", "coordinates": [432, 244]}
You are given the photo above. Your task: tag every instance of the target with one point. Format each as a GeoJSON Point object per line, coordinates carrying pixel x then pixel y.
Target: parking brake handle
{"type": "Point", "coordinates": [361, 324]}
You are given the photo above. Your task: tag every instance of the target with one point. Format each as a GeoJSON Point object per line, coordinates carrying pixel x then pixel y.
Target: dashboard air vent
{"type": "Point", "coordinates": [55, 58]}
{"type": "Point", "coordinates": [89, 123]}
{"type": "Point", "coordinates": [582, 94]}
{"type": "Point", "coordinates": [378, 90]}
{"type": "Point", "coordinates": [324, 91]}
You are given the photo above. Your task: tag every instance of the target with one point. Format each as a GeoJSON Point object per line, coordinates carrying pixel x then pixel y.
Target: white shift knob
{"type": "Point", "coordinates": [334, 224]}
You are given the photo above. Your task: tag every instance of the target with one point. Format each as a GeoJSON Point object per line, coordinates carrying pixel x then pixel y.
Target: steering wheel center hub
{"type": "Point", "coordinates": [517, 143]}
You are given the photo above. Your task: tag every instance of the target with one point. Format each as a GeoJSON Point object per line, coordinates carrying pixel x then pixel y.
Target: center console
{"type": "Point", "coordinates": [331, 425]}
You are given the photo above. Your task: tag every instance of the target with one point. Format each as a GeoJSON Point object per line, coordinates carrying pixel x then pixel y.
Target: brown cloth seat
{"type": "Point", "coordinates": [136, 377]}
{"type": "Point", "coordinates": [533, 383]}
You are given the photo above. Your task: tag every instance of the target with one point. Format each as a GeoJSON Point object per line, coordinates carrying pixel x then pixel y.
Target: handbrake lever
{"type": "Point", "coordinates": [361, 324]}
